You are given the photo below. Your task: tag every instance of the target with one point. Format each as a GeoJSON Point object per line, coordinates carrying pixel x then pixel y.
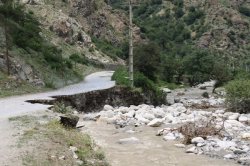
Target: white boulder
{"type": "Point", "coordinates": [197, 140]}
{"type": "Point", "coordinates": [156, 122]}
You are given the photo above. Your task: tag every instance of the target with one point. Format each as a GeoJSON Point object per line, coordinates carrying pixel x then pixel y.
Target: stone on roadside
{"type": "Point", "coordinates": [148, 116]}
{"type": "Point", "coordinates": [239, 151]}
{"type": "Point", "coordinates": [180, 145]}
{"type": "Point", "coordinates": [62, 158]}
{"type": "Point", "coordinates": [192, 150]}
{"type": "Point", "coordinates": [166, 90]}
{"type": "Point", "coordinates": [197, 140]}
{"type": "Point", "coordinates": [201, 144]}
{"type": "Point", "coordinates": [234, 116]}
{"type": "Point", "coordinates": [169, 137]}
{"type": "Point", "coordinates": [163, 131]}
{"type": "Point", "coordinates": [244, 160]}
{"type": "Point", "coordinates": [220, 111]}
{"type": "Point", "coordinates": [130, 131]}
{"type": "Point", "coordinates": [73, 149]}
{"type": "Point", "coordinates": [155, 123]}
{"type": "Point", "coordinates": [243, 118]}
{"type": "Point", "coordinates": [229, 156]}
{"type": "Point", "coordinates": [107, 108]}
{"type": "Point", "coordinates": [245, 136]}
{"type": "Point", "coordinates": [131, 140]}
{"type": "Point", "coordinates": [69, 120]}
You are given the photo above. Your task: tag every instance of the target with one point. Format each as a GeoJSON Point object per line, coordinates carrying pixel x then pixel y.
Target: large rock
{"type": "Point", "coordinates": [69, 120]}
{"type": "Point", "coordinates": [245, 136]}
{"type": "Point", "coordinates": [107, 108]}
{"type": "Point", "coordinates": [156, 122]}
{"type": "Point", "coordinates": [234, 116]}
{"type": "Point", "coordinates": [131, 140]}
{"type": "Point", "coordinates": [243, 118]}
{"type": "Point", "coordinates": [233, 125]}
{"type": "Point", "coordinates": [166, 90]}
{"type": "Point", "coordinates": [197, 140]}
{"type": "Point", "coordinates": [192, 150]}
{"type": "Point", "coordinates": [169, 136]}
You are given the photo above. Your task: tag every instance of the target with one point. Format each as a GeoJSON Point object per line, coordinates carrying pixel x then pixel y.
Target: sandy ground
{"type": "Point", "coordinates": [151, 151]}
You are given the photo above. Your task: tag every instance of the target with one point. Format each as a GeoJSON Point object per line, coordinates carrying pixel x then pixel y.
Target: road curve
{"type": "Point", "coordinates": [16, 105]}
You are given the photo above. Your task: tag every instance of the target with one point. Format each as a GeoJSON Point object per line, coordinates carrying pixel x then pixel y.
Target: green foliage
{"type": "Point", "coordinates": [244, 10]}
{"type": "Point", "coordinates": [76, 58]}
{"type": "Point", "coordinates": [238, 95]}
{"type": "Point", "coordinates": [121, 77]}
{"type": "Point", "coordinates": [179, 3]}
{"type": "Point", "coordinates": [61, 108]}
{"type": "Point", "coordinates": [193, 15]}
{"type": "Point", "coordinates": [147, 60]}
{"type": "Point", "coordinates": [110, 49]}
{"type": "Point", "coordinates": [148, 87]}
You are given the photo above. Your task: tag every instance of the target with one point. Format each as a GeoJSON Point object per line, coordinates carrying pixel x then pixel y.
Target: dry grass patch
{"type": "Point", "coordinates": [192, 130]}
{"type": "Point", "coordinates": [49, 144]}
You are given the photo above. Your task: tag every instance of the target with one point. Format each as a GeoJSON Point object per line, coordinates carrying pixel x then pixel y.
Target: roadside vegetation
{"type": "Point", "coordinates": [52, 144]}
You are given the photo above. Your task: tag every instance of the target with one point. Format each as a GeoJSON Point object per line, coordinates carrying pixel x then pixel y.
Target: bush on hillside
{"type": "Point", "coordinates": [245, 11]}
{"type": "Point", "coordinates": [147, 60]}
{"type": "Point", "coordinates": [238, 95]}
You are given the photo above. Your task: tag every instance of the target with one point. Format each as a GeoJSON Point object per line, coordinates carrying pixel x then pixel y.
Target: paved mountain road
{"type": "Point", "coordinates": [16, 105]}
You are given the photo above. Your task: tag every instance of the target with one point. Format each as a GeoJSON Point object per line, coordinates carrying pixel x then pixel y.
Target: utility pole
{"type": "Point", "coordinates": [131, 58]}
{"type": "Point", "coordinates": [6, 46]}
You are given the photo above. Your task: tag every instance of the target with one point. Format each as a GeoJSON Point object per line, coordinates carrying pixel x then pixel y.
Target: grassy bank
{"type": "Point", "coordinates": [51, 144]}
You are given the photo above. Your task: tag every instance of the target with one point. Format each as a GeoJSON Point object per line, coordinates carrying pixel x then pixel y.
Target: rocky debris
{"type": "Point", "coordinates": [83, 8]}
{"type": "Point", "coordinates": [156, 123]}
{"type": "Point", "coordinates": [166, 90]}
{"type": "Point", "coordinates": [214, 133]}
{"type": "Point", "coordinates": [229, 156]}
{"type": "Point", "coordinates": [245, 136]}
{"type": "Point", "coordinates": [62, 158]}
{"type": "Point", "coordinates": [205, 95]}
{"type": "Point", "coordinates": [204, 103]}
{"type": "Point", "coordinates": [73, 150]}
{"type": "Point", "coordinates": [69, 120]}
{"type": "Point", "coordinates": [192, 150]}
{"type": "Point", "coordinates": [69, 29]}
{"type": "Point", "coordinates": [180, 145]}
{"type": "Point", "coordinates": [131, 140]}
{"type": "Point", "coordinates": [197, 140]}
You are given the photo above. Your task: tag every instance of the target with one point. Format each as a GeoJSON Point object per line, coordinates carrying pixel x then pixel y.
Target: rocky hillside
{"type": "Point", "coordinates": [221, 26]}
{"type": "Point", "coordinates": [82, 32]}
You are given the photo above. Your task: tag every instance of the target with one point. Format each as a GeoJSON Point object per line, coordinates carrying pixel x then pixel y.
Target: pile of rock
{"type": "Point", "coordinates": [231, 144]}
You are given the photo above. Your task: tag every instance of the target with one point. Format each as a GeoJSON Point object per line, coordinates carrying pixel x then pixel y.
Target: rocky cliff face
{"type": "Point", "coordinates": [76, 22]}
{"type": "Point", "coordinates": [226, 26]}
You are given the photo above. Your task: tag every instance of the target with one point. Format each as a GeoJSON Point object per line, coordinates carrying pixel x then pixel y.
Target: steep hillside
{"type": "Point", "coordinates": [192, 33]}
{"type": "Point", "coordinates": [53, 43]}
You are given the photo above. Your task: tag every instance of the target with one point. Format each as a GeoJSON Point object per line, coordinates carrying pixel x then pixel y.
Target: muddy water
{"type": "Point", "coordinates": [151, 151]}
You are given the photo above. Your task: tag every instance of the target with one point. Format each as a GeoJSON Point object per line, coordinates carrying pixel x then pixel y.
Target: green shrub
{"type": "Point", "coordinates": [61, 108]}
{"type": "Point", "coordinates": [76, 58]}
{"type": "Point", "coordinates": [121, 77]}
{"type": "Point", "coordinates": [238, 95]}
{"type": "Point", "coordinates": [245, 10]}
{"type": "Point", "coordinates": [149, 88]}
